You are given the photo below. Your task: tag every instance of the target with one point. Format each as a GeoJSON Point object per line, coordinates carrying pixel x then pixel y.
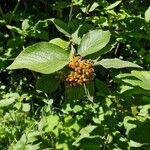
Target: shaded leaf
{"type": "Point", "coordinates": [102, 88]}
{"type": "Point", "coordinates": [47, 83]}
{"type": "Point", "coordinates": [61, 26]}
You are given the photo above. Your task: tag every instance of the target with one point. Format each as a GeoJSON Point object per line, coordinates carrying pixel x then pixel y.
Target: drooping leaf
{"type": "Point", "coordinates": [14, 29]}
{"type": "Point", "coordinates": [93, 41]}
{"type": "Point", "coordinates": [147, 15]}
{"type": "Point", "coordinates": [42, 57]}
{"type": "Point", "coordinates": [61, 26]}
{"type": "Point", "coordinates": [116, 63]}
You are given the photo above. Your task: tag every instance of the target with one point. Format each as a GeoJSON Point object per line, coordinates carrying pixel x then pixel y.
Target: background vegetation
{"type": "Point", "coordinates": [35, 115]}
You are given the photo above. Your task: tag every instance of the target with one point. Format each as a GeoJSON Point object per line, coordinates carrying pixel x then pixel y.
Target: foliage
{"type": "Point", "coordinates": [38, 110]}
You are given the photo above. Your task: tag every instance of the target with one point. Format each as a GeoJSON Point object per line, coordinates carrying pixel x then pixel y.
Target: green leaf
{"type": "Point", "coordinates": [25, 24]}
{"type": "Point", "coordinates": [42, 57]}
{"type": "Point", "coordinates": [14, 29]}
{"type": "Point", "coordinates": [25, 107]}
{"type": "Point", "coordinates": [6, 102]}
{"type": "Point", "coordinates": [61, 26]}
{"type": "Point", "coordinates": [129, 126]}
{"type": "Point", "coordinates": [137, 78]}
{"type": "Point", "coordinates": [135, 144]}
{"type": "Point", "coordinates": [93, 41]}
{"type": "Point", "coordinates": [61, 43]}
{"type": "Point", "coordinates": [101, 87]}
{"type": "Point", "coordinates": [116, 63]}
{"type": "Point", "coordinates": [80, 31]}
{"type": "Point", "coordinates": [113, 5]}
{"type": "Point", "coordinates": [93, 7]}
{"type": "Point", "coordinates": [79, 92]}
{"type": "Point", "coordinates": [52, 122]}
{"type": "Point", "coordinates": [47, 83]}
{"type": "Point", "coordinates": [147, 15]}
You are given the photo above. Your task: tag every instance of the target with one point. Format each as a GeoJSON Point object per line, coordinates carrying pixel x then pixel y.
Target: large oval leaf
{"type": "Point", "coordinates": [93, 41]}
{"type": "Point", "coordinates": [42, 57]}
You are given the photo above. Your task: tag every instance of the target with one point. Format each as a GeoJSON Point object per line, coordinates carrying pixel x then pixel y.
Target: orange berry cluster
{"type": "Point", "coordinates": [82, 71]}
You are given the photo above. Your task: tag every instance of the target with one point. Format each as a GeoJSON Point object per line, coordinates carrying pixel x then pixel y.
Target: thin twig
{"type": "Point", "coordinates": [1, 12]}
{"type": "Point", "coordinates": [70, 14]}
{"type": "Point", "coordinates": [14, 11]}
{"type": "Point", "coordinates": [116, 50]}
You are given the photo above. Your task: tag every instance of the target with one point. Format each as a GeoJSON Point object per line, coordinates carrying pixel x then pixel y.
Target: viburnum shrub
{"type": "Point", "coordinates": [51, 57]}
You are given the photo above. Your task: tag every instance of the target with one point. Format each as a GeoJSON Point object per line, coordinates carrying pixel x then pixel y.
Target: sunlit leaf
{"type": "Point", "coordinates": [116, 63]}
{"type": "Point", "coordinates": [6, 102]}
{"type": "Point", "coordinates": [113, 5]}
{"type": "Point", "coordinates": [42, 57]}
{"type": "Point", "coordinates": [147, 15]}
{"type": "Point", "coordinates": [61, 43]}
{"type": "Point", "coordinates": [93, 41]}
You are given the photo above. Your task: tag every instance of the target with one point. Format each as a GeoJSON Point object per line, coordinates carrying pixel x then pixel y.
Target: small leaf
{"type": "Point", "coordinates": [147, 15]}
{"type": "Point", "coordinates": [93, 7]}
{"type": "Point", "coordinates": [42, 57]}
{"type": "Point", "coordinates": [25, 24]}
{"type": "Point", "coordinates": [25, 107]}
{"type": "Point", "coordinates": [135, 144]}
{"type": "Point", "coordinates": [61, 26]}
{"type": "Point", "coordinates": [93, 41]}
{"type": "Point", "coordinates": [113, 5]}
{"type": "Point", "coordinates": [116, 63]}
{"type": "Point", "coordinates": [14, 29]}
{"type": "Point", "coordinates": [129, 126]}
